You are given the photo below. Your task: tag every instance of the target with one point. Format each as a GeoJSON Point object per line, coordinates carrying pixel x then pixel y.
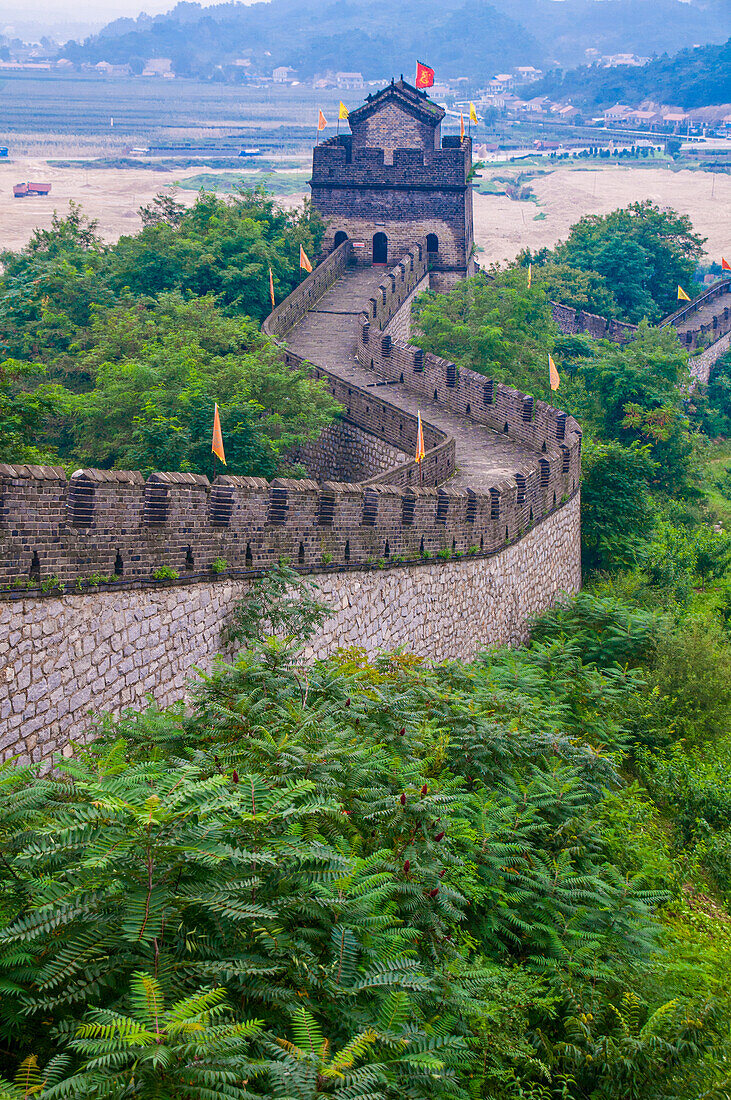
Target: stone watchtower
{"type": "Point", "coordinates": [393, 180]}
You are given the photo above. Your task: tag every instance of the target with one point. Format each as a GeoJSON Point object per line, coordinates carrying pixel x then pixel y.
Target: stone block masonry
{"type": "Point", "coordinates": [65, 660]}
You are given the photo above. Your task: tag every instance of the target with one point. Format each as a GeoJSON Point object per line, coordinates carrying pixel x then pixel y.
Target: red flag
{"type": "Point", "coordinates": [271, 288]}
{"type": "Point", "coordinates": [461, 126]}
{"type": "Point", "coordinates": [321, 121]}
{"type": "Point", "coordinates": [424, 75]}
{"type": "Point", "coordinates": [725, 265]}
{"type": "Point", "coordinates": [305, 262]}
{"type": "Point", "coordinates": [217, 442]}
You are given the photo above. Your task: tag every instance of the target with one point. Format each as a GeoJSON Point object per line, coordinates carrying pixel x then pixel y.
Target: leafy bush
{"type": "Point", "coordinates": [374, 879]}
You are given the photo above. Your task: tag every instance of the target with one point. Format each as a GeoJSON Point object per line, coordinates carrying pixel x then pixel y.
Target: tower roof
{"type": "Point", "coordinates": [407, 97]}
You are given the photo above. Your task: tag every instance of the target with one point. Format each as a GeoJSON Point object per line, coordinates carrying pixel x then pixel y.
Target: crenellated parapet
{"type": "Point", "coordinates": [97, 524]}
{"type": "Point", "coordinates": [337, 164]}
{"type": "Point", "coordinates": [551, 470]}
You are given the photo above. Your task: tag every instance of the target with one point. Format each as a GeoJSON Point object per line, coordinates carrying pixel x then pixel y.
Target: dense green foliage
{"type": "Point", "coordinates": [376, 879]}
{"type": "Point", "coordinates": [696, 77]}
{"type": "Point", "coordinates": [158, 367]}
{"type": "Point", "coordinates": [642, 252]}
{"type": "Point", "coordinates": [116, 354]}
{"type": "Point", "coordinates": [368, 880]}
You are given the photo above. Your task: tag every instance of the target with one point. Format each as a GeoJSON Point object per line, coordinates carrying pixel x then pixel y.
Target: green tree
{"type": "Point", "coordinates": [494, 326]}
{"type": "Point", "coordinates": [222, 246]}
{"type": "Point", "coordinates": [28, 407]}
{"type": "Point", "coordinates": [642, 251]}
{"type": "Point", "coordinates": [159, 366]}
{"type": "Point", "coordinates": [48, 291]}
{"type": "Point", "coordinates": [634, 393]}
{"type": "Point", "coordinates": [617, 511]}
{"type": "Point", "coordinates": [572, 286]}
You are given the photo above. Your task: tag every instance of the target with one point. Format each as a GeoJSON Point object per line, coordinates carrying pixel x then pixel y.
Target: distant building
{"type": "Point", "coordinates": [349, 81]}
{"type": "Point", "coordinates": [565, 112]}
{"type": "Point", "coordinates": [527, 73]}
{"type": "Point", "coordinates": [107, 69]}
{"type": "Point", "coordinates": [613, 60]}
{"type": "Point", "coordinates": [503, 82]}
{"type": "Point", "coordinates": [158, 66]}
{"type": "Point", "coordinates": [617, 113]}
{"type": "Point", "coordinates": [283, 74]}
{"type": "Point", "coordinates": [537, 106]}
{"type": "Point", "coordinates": [644, 118]}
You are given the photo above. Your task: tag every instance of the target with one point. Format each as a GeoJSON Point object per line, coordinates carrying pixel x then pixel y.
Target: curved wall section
{"type": "Point", "coordinates": [88, 622]}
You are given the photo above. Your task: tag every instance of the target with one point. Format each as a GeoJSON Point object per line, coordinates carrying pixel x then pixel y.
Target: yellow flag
{"type": "Point", "coordinates": [420, 452]}
{"type": "Point", "coordinates": [271, 288]}
{"type": "Point", "coordinates": [304, 260]}
{"type": "Point", "coordinates": [473, 113]}
{"type": "Point", "coordinates": [321, 121]}
{"type": "Point", "coordinates": [343, 112]}
{"type": "Point", "coordinates": [530, 275]}
{"type": "Point", "coordinates": [682, 296]}
{"type": "Point", "coordinates": [461, 126]}
{"type": "Point", "coordinates": [217, 443]}
{"type": "Point", "coordinates": [553, 374]}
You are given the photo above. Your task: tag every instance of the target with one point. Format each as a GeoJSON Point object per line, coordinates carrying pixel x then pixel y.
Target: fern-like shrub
{"type": "Point", "coordinates": [367, 879]}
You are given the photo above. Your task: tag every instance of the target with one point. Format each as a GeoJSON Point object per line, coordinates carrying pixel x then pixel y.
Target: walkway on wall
{"type": "Point", "coordinates": [327, 336]}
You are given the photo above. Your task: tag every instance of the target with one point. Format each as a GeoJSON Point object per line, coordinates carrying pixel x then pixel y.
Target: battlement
{"type": "Point", "coordinates": [338, 164]}
{"type": "Point", "coordinates": [573, 322]}
{"type": "Point", "coordinates": [553, 471]}
{"type": "Point", "coordinates": [116, 523]}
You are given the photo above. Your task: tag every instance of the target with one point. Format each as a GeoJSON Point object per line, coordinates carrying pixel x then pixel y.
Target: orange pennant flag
{"type": "Point", "coordinates": [461, 126]}
{"type": "Point", "coordinates": [271, 287]}
{"type": "Point", "coordinates": [420, 452]}
{"type": "Point", "coordinates": [321, 121]}
{"type": "Point", "coordinates": [305, 260]}
{"type": "Point", "coordinates": [553, 374]}
{"type": "Point", "coordinates": [217, 443]}
{"type": "Point", "coordinates": [682, 296]}
{"type": "Point", "coordinates": [725, 265]}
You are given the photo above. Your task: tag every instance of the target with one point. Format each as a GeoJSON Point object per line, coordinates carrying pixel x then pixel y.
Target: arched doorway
{"type": "Point", "coordinates": [432, 242]}
{"type": "Point", "coordinates": [340, 236]}
{"type": "Point", "coordinates": [380, 248]}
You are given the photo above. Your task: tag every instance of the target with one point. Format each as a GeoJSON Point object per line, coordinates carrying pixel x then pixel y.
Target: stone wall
{"type": "Point", "coordinates": [344, 452]}
{"type": "Point", "coordinates": [702, 364]}
{"type": "Point", "coordinates": [63, 661]}
{"type": "Point", "coordinates": [572, 322]}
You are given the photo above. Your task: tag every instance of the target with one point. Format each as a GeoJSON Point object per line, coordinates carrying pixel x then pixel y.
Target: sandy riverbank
{"type": "Point", "coordinates": [504, 227]}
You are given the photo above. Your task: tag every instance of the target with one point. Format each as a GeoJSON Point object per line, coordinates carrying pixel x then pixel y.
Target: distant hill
{"type": "Point", "coordinates": [693, 78]}
{"type": "Point", "coordinates": [645, 27]}
{"type": "Point", "coordinates": [459, 37]}
{"type": "Point", "coordinates": [312, 36]}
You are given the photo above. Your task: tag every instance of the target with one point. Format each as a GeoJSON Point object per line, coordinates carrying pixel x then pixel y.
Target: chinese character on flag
{"type": "Point", "coordinates": [424, 75]}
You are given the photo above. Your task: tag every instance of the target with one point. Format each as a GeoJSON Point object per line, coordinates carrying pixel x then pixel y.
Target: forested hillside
{"type": "Point", "coordinates": [459, 39]}
{"type": "Point", "coordinates": [696, 77]}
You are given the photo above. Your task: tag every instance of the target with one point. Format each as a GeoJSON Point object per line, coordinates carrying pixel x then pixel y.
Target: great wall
{"type": "Point", "coordinates": [444, 560]}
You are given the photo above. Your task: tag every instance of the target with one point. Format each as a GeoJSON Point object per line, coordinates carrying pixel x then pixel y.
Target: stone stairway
{"type": "Point", "coordinates": [326, 336]}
